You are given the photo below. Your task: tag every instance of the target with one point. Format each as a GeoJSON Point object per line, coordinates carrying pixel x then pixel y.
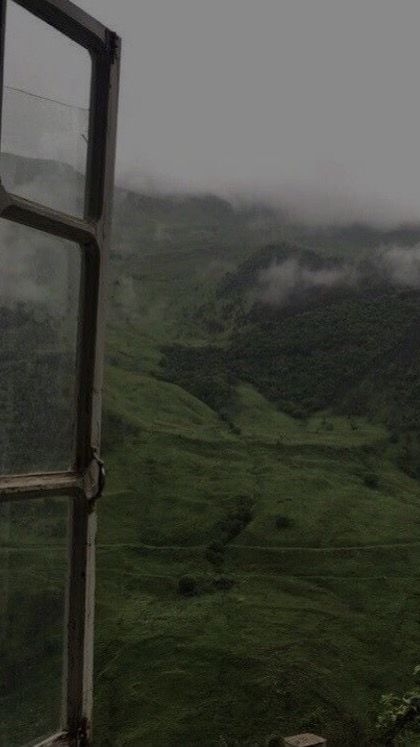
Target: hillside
{"type": "Point", "coordinates": [269, 455]}
{"type": "Point", "coordinates": [317, 584]}
{"type": "Point", "coordinates": [259, 539]}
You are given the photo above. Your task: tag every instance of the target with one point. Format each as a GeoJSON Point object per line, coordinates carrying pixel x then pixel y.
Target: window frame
{"type": "Point", "coordinates": [84, 483]}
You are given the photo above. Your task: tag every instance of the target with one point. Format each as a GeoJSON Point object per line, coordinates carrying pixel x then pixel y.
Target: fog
{"type": "Point", "coordinates": [281, 281]}
{"type": "Point", "coordinates": [402, 265]}
{"type": "Point", "coordinates": [312, 105]}
{"type": "Point", "coordinates": [316, 97]}
{"type": "Point", "coordinates": [38, 269]}
{"type": "Point", "coordinates": [398, 266]}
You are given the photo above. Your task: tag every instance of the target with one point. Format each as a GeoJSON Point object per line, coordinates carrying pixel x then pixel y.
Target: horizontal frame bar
{"type": "Point", "coordinates": [72, 21]}
{"type": "Point", "coordinates": [29, 213]}
{"type": "Point", "coordinates": [62, 739]}
{"type": "Point", "coordinates": [23, 487]}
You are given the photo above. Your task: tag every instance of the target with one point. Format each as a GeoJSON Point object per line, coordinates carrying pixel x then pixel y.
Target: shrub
{"type": "Point", "coordinates": [223, 583]}
{"type": "Point", "coordinates": [232, 527]}
{"type": "Point", "coordinates": [371, 481]}
{"type": "Point", "coordinates": [236, 521]}
{"type": "Point", "coordinates": [216, 547]}
{"type": "Point", "coordinates": [400, 715]}
{"type": "Point", "coordinates": [298, 412]}
{"type": "Point", "coordinates": [274, 741]}
{"type": "Point", "coordinates": [215, 553]}
{"type": "Point", "coordinates": [283, 522]}
{"type": "Point", "coordinates": [244, 515]}
{"type": "Point", "coordinates": [187, 586]}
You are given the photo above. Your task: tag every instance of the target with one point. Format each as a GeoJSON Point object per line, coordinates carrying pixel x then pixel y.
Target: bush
{"type": "Point", "coordinates": [244, 515]}
{"type": "Point", "coordinates": [371, 481]}
{"type": "Point", "coordinates": [236, 521]}
{"type": "Point", "coordinates": [283, 522]}
{"type": "Point", "coordinates": [187, 586]}
{"type": "Point", "coordinates": [223, 583]}
{"type": "Point", "coordinates": [298, 412]}
{"type": "Point", "coordinates": [232, 527]}
{"type": "Point", "coordinates": [215, 553]}
{"type": "Point", "coordinates": [274, 741]}
{"type": "Point", "coordinates": [216, 548]}
{"type": "Point", "coordinates": [399, 719]}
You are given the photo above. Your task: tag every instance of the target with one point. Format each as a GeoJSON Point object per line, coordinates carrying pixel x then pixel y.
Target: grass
{"type": "Point", "coordinates": [318, 613]}
{"type": "Point", "coordinates": [323, 614]}
{"type": "Point", "coordinates": [33, 575]}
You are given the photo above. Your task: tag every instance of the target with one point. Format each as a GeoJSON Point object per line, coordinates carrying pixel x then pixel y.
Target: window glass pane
{"type": "Point", "coordinates": [45, 113]}
{"type": "Point", "coordinates": [39, 292]}
{"type": "Point", "coordinates": [33, 574]}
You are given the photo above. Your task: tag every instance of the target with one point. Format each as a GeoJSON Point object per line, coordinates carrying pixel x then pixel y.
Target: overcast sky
{"type": "Point", "coordinates": [267, 93]}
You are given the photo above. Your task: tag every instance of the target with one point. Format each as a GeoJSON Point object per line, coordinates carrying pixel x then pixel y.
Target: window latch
{"type": "Point", "coordinates": [94, 479]}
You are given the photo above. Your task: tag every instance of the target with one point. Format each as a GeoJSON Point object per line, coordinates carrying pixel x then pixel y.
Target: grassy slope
{"type": "Point", "coordinates": [323, 616]}
{"type": "Point", "coordinates": [33, 571]}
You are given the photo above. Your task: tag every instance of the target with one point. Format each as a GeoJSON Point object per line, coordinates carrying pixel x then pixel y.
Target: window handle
{"type": "Point", "coordinates": [94, 479]}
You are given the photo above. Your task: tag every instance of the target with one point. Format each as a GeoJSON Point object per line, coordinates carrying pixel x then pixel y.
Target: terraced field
{"type": "Point", "coordinates": [259, 539]}
{"type": "Point", "coordinates": [312, 612]}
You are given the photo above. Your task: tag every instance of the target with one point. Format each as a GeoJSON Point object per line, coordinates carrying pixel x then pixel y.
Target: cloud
{"type": "Point", "coordinates": [281, 281]}
{"type": "Point", "coordinates": [395, 265]}
{"type": "Point", "coordinates": [402, 265]}
{"type": "Point", "coordinates": [38, 269]}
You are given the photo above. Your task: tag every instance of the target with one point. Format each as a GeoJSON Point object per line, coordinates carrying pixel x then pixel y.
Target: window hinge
{"type": "Point", "coordinates": [94, 479]}
{"type": "Point", "coordinates": [79, 737]}
{"type": "Point", "coordinates": [83, 734]}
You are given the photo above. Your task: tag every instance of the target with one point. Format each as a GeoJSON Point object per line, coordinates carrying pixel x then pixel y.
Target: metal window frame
{"type": "Point", "coordinates": [83, 484]}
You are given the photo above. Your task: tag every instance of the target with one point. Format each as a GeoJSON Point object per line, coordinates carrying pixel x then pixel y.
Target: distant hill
{"type": "Point", "coordinates": [259, 547]}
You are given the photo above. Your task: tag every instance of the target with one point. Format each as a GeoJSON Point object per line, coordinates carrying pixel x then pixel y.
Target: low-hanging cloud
{"type": "Point", "coordinates": [281, 281]}
{"type": "Point", "coordinates": [38, 269]}
{"type": "Point", "coordinates": [398, 266]}
{"type": "Point", "coordinates": [402, 265]}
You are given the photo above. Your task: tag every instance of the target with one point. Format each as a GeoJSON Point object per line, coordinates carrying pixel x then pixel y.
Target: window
{"type": "Point", "coordinates": [58, 130]}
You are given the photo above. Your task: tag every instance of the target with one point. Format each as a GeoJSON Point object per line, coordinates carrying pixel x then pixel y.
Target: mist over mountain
{"type": "Point", "coordinates": [261, 437]}
{"type": "Point", "coordinates": [258, 544]}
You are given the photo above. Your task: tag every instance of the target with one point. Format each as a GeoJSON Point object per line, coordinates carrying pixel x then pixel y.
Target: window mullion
{"type": "Point", "coordinates": [36, 486]}
{"type": "Point", "coordinates": [48, 220]}
{"type": "Point", "coordinates": [80, 611]}
{"type": "Point", "coordinates": [93, 235]}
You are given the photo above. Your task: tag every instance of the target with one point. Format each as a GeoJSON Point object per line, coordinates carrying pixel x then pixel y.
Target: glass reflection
{"type": "Point", "coordinates": [33, 572]}
{"type": "Point", "coordinates": [39, 306]}
{"type": "Point", "coordinates": [45, 113]}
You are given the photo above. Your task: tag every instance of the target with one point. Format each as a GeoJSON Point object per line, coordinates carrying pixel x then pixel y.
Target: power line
{"type": "Point", "coordinates": [45, 98]}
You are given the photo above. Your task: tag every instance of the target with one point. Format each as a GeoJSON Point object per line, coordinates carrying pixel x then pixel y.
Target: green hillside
{"type": "Point", "coordinates": [299, 620]}
{"type": "Point", "coordinates": [259, 539]}
{"type": "Point", "coordinates": [259, 542]}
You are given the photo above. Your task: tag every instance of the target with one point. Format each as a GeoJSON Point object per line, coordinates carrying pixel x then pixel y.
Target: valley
{"type": "Point", "coordinates": [259, 539]}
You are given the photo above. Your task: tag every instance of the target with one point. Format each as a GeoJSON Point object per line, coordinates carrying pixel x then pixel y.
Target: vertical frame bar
{"type": "Point", "coordinates": [95, 234]}
{"type": "Point", "coordinates": [2, 45]}
{"type": "Point", "coordinates": [98, 207]}
{"type": "Point", "coordinates": [99, 190]}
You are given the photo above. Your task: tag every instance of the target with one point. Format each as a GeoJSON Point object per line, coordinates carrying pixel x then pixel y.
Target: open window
{"type": "Point", "coordinates": [59, 92]}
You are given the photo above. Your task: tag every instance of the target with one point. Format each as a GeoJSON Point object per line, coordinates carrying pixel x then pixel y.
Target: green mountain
{"type": "Point", "coordinates": [259, 540]}
{"type": "Point", "coordinates": [259, 537]}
